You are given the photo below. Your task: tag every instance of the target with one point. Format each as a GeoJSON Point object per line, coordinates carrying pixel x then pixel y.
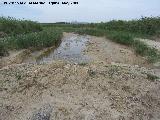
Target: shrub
{"type": "Point", "coordinates": [145, 25]}
{"type": "Point", "coordinates": [3, 50]}
{"type": "Point", "coordinates": [12, 26]}
{"type": "Point", "coordinates": [36, 40]}
{"type": "Point", "coordinates": [120, 37]}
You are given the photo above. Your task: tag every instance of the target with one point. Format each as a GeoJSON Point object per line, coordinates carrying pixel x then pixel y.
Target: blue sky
{"type": "Point", "coordinates": [85, 11]}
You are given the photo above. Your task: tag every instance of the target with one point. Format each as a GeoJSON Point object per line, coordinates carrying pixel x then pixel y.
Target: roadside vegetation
{"type": "Point", "coordinates": [12, 26]}
{"type": "Point", "coordinates": [122, 32]}
{"type": "Point", "coordinates": [37, 40]}
{"type": "Point", "coordinates": [145, 26]}
{"type": "Point", "coordinates": [19, 34]}
{"type": "Point", "coordinates": [22, 34]}
{"type": "Point", "coordinates": [3, 50]}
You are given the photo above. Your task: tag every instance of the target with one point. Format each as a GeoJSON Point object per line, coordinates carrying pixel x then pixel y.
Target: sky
{"type": "Point", "coordinates": [84, 11]}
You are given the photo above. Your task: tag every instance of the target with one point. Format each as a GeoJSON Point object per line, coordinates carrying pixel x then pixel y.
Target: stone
{"type": "Point", "coordinates": [43, 113]}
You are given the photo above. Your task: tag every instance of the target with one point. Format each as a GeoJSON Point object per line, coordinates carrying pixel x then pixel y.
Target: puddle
{"type": "Point", "coordinates": [71, 49]}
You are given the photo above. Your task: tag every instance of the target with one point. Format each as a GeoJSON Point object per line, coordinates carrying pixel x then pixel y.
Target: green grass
{"type": "Point", "coordinates": [145, 25]}
{"type": "Point", "coordinates": [144, 50]}
{"type": "Point", "coordinates": [24, 34]}
{"type": "Point", "coordinates": [124, 38]}
{"type": "Point", "coordinates": [3, 50]}
{"type": "Point", "coordinates": [12, 26]}
{"type": "Point", "coordinates": [37, 40]}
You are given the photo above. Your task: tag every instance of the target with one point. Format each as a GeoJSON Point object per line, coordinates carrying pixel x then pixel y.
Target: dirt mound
{"type": "Point", "coordinates": [116, 85]}
{"type": "Point", "coordinates": [91, 91]}
{"type": "Point", "coordinates": [15, 57]}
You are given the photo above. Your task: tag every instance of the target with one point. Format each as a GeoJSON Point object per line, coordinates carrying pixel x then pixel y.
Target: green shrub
{"type": "Point", "coordinates": [36, 40]}
{"type": "Point", "coordinates": [120, 37]}
{"type": "Point", "coordinates": [145, 25]}
{"type": "Point", "coordinates": [3, 50]}
{"type": "Point", "coordinates": [12, 26]}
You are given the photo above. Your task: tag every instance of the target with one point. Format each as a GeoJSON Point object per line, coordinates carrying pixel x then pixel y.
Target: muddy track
{"type": "Point", "coordinates": [115, 85]}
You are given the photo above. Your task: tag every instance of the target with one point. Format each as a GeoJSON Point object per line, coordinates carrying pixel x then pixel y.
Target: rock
{"type": "Point", "coordinates": [136, 66]}
{"type": "Point", "coordinates": [67, 66]}
{"type": "Point", "coordinates": [122, 51]}
{"type": "Point", "coordinates": [43, 113]}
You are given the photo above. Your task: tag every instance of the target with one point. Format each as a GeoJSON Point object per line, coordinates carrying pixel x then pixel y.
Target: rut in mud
{"type": "Point", "coordinates": [70, 49]}
{"type": "Point", "coordinates": [114, 84]}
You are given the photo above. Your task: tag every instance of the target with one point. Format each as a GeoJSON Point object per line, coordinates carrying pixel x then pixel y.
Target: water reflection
{"type": "Point", "coordinates": [70, 49]}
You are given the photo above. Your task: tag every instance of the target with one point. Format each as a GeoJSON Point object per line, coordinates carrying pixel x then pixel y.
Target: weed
{"type": "Point", "coordinates": [3, 50]}
{"type": "Point", "coordinates": [144, 50]}
{"type": "Point", "coordinates": [12, 26]}
{"type": "Point", "coordinates": [35, 40]}
{"type": "Point", "coordinates": [120, 37]}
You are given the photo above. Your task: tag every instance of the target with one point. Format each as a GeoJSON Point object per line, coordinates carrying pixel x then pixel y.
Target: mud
{"type": "Point", "coordinates": [70, 49]}
{"type": "Point", "coordinates": [115, 85]}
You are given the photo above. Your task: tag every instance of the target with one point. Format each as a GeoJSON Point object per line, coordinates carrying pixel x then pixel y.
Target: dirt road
{"type": "Point", "coordinates": [115, 85]}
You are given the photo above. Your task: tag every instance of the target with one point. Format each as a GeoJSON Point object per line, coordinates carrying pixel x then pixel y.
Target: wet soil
{"type": "Point", "coordinates": [115, 84]}
{"type": "Point", "coordinates": [70, 49]}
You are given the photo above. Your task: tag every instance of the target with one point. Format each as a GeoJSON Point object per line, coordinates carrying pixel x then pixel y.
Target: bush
{"type": "Point", "coordinates": [145, 25]}
{"type": "Point", "coordinates": [120, 37]}
{"type": "Point", "coordinates": [3, 50]}
{"type": "Point", "coordinates": [36, 40]}
{"type": "Point", "coordinates": [12, 26]}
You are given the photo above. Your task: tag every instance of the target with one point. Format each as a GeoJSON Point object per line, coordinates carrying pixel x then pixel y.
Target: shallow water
{"type": "Point", "coordinates": [70, 49]}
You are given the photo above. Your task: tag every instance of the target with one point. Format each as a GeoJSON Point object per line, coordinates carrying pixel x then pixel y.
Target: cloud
{"type": "Point", "coordinates": [20, 12]}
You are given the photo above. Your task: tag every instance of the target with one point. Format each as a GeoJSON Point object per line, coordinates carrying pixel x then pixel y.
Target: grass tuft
{"type": "Point", "coordinates": [144, 50]}
{"type": "Point", "coordinates": [37, 40]}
